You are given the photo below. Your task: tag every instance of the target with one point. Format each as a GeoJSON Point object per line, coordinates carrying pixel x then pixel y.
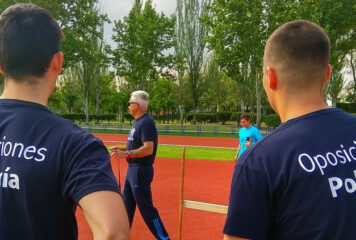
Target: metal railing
{"type": "Point", "coordinates": [191, 130]}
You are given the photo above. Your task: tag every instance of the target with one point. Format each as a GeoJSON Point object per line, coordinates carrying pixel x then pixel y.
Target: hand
{"type": "Point", "coordinates": [117, 152]}
{"type": "Point", "coordinates": [247, 144]}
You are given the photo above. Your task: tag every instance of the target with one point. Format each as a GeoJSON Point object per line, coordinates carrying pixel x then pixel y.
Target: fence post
{"type": "Point", "coordinates": [181, 195]}
{"type": "Point", "coordinates": [182, 129]}
{"type": "Point", "coordinates": [215, 130]}
{"type": "Point", "coordinates": [198, 130]}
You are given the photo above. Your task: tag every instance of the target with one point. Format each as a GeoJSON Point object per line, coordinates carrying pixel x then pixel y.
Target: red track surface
{"type": "Point", "coordinates": [206, 181]}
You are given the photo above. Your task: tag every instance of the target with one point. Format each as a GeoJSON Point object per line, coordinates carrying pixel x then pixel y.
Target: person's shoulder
{"type": "Point", "coordinates": [345, 115]}
{"type": "Point", "coordinates": [69, 130]}
{"type": "Point", "coordinates": [147, 120]}
{"type": "Point", "coordinates": [254, 128]}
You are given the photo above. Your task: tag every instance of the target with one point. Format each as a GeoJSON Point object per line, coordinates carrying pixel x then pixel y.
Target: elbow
{"type": "Point", "coordinates": [114, 234]}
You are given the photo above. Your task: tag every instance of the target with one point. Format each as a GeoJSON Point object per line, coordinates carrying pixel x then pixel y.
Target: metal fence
{"type": "Point", "coordinates": [184, 130]}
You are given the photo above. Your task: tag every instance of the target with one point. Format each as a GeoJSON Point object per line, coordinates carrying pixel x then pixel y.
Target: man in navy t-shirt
{"type": "Point", "coordinates": [48, 165]}
{"type": "Point", "coordinates": [140, 153]}
{"type": "Point", "coordinates": [299, 182]}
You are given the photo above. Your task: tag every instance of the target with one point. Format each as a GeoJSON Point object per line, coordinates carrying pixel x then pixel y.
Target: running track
{"type": "Point", "coordinates": [207, 181]}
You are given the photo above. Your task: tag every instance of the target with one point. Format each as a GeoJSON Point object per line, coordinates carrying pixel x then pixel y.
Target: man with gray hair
{"type": "Point", "coordinates": [140, 153]}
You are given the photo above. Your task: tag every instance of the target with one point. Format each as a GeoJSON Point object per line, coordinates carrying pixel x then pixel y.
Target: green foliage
{"type": "Point", "coordinates": [1, 83]}
{"type": "Point", "coordinates": [348, 107]}
{"type": "Point", "coordinates": [193, 33]}
{"type": "Point", "coordinates": [141, 39]}
{"type": "Point", "coordinates": [162, 95]}
{"type": "Point", "coordinates": [223, 116]}
{"type": "Point", "coordinates": [80, 117]}
{"type": "Point", "coordinates": [272, 120]}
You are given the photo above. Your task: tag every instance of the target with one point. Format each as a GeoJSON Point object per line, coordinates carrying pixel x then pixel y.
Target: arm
{"type": "Point", "coordinates": [106, 215]}
{"type": "Point", "coordinates": [117, 148]}
{"type": "Point", "coordinates": [228, 237]}
{"type": "Point", "coordinates": [237, 153]}
{"type": "Point", "coordinates": [145, 150]}
{"type": "Point", "coordinates": [258, 135]}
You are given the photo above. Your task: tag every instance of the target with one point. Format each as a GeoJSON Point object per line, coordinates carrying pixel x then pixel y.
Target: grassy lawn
{"type": "Point", "coordinates": [198, 153]}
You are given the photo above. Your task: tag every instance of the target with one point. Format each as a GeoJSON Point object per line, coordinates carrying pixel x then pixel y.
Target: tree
{"type": "Point", "coordinates": [238, 33]}
{"type": "Point", "coordinates": [180, 59]}
{"type": "Point", "coordinates": [76, 18]}
{"type": "Point", "coordinates": [352, 66]}
{"type": "Point", "coordinates": [142, 37]}
{"type": "Point", "coordinates": [69, 86]}
{"type": "Point", "coordinates": [331, 16]}
{"type": "Point", "coordinates": [162, 96]}
{"type": "Point", "coordinates": [1, 83]}
{"type": "Point", "coordinates": [193, 34]}
{"type": "Point", "coordinates": [80, 21]}
{"type": "Point", "coordinates": [213, 91]}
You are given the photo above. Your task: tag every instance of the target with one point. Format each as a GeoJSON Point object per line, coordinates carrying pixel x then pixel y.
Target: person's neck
{"type": "Point", "coordinates": [301, 105]}
{"type": "Point", "coordinates": [139, 114]}
{"type": "Point", "coordinates": [24, 91]}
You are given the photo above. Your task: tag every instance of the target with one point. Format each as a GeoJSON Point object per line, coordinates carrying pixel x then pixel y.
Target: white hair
{"type": "Point", "coordinates": [141, 97]}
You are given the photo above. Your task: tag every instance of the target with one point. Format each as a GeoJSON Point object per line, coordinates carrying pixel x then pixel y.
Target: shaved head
{"type": "Point", "coordinates": [300, 52]}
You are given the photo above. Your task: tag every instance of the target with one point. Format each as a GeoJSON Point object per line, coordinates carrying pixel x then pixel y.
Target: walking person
{"type": "Point", "coordinates": [140, 154]}
{"type": "Point", "coordinates": [48, 165]}
{"type": "Point", "coordinates": [299, 182]}
{"type": "Point", "coordinates": [248, 135]}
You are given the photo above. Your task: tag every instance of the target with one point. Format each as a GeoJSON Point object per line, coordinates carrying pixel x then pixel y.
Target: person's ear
{"type": "Point", "coordinates": [328, 74]}
{"type": "Point", "coordinates": [1, 70]}
{"type": "Point", "coordinates": [57, 63]}
{"type": "Point", "coordinates": [272, 78]}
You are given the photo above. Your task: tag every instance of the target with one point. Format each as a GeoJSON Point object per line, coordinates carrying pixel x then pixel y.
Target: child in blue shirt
{"type": "Point", "coordinates": [248, 135]}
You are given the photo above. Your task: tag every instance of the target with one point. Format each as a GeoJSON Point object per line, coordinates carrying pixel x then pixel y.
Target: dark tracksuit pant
{"type": "Point", "coordinates": [137, 191]}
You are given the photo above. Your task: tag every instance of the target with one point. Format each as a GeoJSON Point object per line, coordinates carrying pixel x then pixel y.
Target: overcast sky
{"type": "Point", "coordinates": [117, 9]}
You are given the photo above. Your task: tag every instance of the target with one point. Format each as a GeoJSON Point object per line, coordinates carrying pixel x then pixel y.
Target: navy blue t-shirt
{"type": "Point", "coordinates": [143, 130]}
{"type": "Point", "coordinates": [47, 164]}
{"type": "Point", "coordinates": [299, 182]}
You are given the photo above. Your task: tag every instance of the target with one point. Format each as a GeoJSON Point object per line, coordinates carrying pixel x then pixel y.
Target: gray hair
{"type": "Point", "coordinates": [141, 97]}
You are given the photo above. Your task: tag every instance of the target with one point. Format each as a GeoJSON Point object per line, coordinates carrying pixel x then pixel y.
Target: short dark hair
{"type": "Point", "coordinates": [29, 37]}
{"type": "Point", "coordinates": [245, 116]}
{"type": "Point", "coordinates": [299, 45]}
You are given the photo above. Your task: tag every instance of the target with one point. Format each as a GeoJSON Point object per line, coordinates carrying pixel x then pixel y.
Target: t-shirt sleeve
{"type": "Point", "coordinates": [249, 209]}
{"type": "Point", "coordinates": [147, 131]}
{"type": "Point", "coordinates": [88, 169]}
{"type": "Point", "coordinates": [258, 135]}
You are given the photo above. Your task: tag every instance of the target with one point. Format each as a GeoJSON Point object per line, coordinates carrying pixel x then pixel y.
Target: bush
{"type": "Point", "coordinates": [80, 117]}
{"type": "Point", "coordinates": [235, 116]}
{"type": "Point", "coordinates": [189, 117]}
{"type": "Point", "coordinates": [272, 120]}
{"type": "Point", "coordinates": [348, 107]}
{"type": "Point", "coordinates": [223, 116]}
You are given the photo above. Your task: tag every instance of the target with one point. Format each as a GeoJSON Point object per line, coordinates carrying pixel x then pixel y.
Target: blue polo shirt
{"type": "Point", "coordinates": [47, 164]}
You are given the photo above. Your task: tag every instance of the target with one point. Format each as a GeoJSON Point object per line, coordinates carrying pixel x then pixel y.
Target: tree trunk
{"type": "Point", "coordinates": [180, 79]}
{"type": "Point", "coordinates": [258, 99]}
{"type": "Point", "coordinates": [242, 105]}
{"type": "Point", "coordinates": [353, 75]}
{"type": "Point", "coordinates": [86, 106]}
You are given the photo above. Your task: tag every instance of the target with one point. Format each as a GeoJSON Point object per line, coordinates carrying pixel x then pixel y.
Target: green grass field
{"type": "Point", "coordinates": [198, 153]}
